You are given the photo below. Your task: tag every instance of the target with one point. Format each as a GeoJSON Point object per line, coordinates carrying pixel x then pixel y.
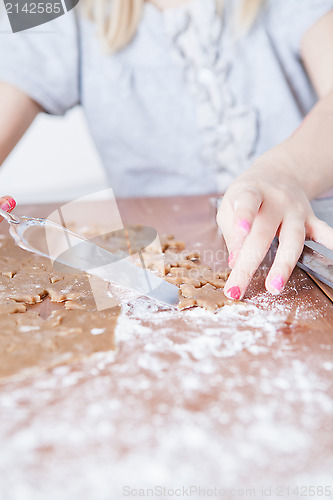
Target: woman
{"type": "Point", "coordinates": [198, 96]}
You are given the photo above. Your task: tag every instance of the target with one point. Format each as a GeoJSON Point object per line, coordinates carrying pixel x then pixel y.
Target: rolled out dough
{"type": "Point", "coordinates": [31, 340]}
{"type": "Point", "coordinates": [28, 341]}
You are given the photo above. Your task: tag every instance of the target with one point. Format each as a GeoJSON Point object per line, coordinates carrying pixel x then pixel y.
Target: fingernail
{"type": "Point", "coordinates": [234, 293]}
{"type": "Point", "coordinates": [277, 283]}
{"type": "Point", "coordinates": [230, 260]}
{"type": "Point", "coordinates": [5, 207]}
{"type": "Point", "coordinates": [244, 225]}
{"type": "Point", "coordinates": [8, 205]}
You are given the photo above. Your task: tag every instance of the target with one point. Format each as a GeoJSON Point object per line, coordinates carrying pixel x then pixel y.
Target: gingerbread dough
{"type": "Point", "coordinates": [30, 342]}
{"type": "Point", "coordinates": [199, 285]}
{"type": "Point", "coordinates": [76, 329]}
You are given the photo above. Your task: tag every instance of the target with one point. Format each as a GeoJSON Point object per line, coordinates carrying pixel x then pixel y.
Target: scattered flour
{"type": "Point", "coordinates": [28, 328]}
{"type": "Point", "coordinates": [192, 397]}
{"type": "Point", "coordinates": [97, 331]}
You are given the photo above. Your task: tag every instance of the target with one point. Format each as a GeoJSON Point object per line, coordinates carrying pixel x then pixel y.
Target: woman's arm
{"type": "Point", "coordinates": [316, 54]}
{"type": "Point", "coordinates": [273, 195]}
{"type": "Point", "coordinates": [311, 144]}
{"type": "Point", "coordinates": [17, 113]}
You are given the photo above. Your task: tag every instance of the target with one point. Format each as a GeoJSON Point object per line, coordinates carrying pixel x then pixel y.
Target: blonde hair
{"type": "Point", "coordinates": [117, 20]}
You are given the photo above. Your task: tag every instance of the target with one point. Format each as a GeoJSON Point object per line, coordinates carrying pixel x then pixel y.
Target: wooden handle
{"type": "Point", "coordinates": [327, 290]}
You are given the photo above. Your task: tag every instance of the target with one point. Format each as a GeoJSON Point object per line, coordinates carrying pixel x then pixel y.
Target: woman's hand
{"type": "Point", "coordinates": [265, 201]}
{"type": "Point", "coordinates": [7, 203]}
{"type": "Point", "coordinates": [272, 197]}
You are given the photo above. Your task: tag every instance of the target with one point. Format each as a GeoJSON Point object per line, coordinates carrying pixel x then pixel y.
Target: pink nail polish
{"type": "Point", "coordinates": [12, 203]}
{"type": "Point", "coordinates": [5, 207]}
{"type": "Point", "coordinates": [231, 258]}
{"type": "Point", "coordinates": [245, 225]}
{"type": "Point", "coordinates": [234, 292]}
{"type": "Point", "coordinates": [8, 205]}
{"type": "Point", "coordinates": [278, 283]}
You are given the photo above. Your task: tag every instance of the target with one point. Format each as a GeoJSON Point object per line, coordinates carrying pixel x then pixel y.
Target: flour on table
{"type": "Point", "coordinates": [186, 395]}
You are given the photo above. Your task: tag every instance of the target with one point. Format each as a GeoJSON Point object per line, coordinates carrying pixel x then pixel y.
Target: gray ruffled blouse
{"type": "Point", "coordinates": [184, 108]}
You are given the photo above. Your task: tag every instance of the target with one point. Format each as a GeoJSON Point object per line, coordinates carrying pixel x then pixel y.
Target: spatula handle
{"type": "Point", "coordinates": [11, 219]}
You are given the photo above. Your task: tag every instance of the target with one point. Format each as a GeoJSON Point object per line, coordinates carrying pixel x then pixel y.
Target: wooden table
{"type": "Point", "coordinates": [238, 404]}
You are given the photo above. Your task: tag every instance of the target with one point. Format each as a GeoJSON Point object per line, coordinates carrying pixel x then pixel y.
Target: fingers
{"type": "Point", "coordinates": [320, 232]}
{"type": "Point", "coordinates": [291, 242]}
{"type": "Point", "coordinates": [250, 218]}
{"type": "Point", "coordinates": [253, 251]}
{"type": "Point", "coordinates": [7, 203]}
{"type": "Point", "coordinates": [236, 215]}
{"type": "Point", "coordinates": [223, 219]}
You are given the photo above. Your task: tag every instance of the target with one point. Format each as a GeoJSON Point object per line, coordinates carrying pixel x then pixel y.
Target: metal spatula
{"type": "Point", "coordinates": [48, 239]}
{"type": "Point", "coordinates": [317, 266]}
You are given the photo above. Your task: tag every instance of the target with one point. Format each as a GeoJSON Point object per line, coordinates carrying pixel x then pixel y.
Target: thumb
{"type": "Point", "coordinates": [7, 203]}
{"type": "Point", "coordinates": [320, 232]}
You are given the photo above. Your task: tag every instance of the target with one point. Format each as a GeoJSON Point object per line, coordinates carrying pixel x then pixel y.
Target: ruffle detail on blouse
{"type": "Point", "coordinates": [229, 130]}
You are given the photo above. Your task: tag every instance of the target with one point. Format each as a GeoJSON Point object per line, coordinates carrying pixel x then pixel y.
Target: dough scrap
{"type": "Point", "coordinates": [168, 242]}
{"type": "Point", "coordinates": [199, 285]}
{"type": "Point", "coordinates": [207, 296]}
